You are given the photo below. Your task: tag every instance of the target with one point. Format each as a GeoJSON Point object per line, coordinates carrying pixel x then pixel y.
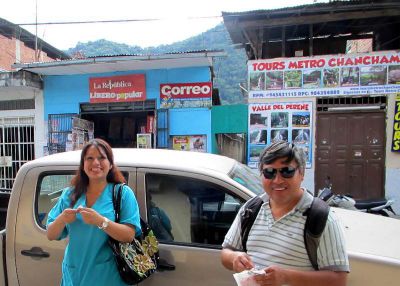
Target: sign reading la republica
{"type": "Point", "coordinates": [181, 95]}
{"type": "Point", "coordinates": [124, 88]}
{"type": "Point", "coordinates": [330, 75]}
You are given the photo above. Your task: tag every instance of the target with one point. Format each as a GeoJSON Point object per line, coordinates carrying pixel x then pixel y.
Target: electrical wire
{"type": "Point", "coordinates": [114, 21]}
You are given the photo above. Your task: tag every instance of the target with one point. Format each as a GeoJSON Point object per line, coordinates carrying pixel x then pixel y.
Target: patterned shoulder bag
{"type": "Point", "coordinates": [138, 259]}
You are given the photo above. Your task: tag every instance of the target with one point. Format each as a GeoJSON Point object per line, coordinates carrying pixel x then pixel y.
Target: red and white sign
{"type": "Point", "coordinates": [123, 88]}
{"type": "Point", "coordinates": [186, 90]}
{"type": "Point", "coordinates": [150, 124]}
{"type": "Point", "coordinates": [184, 95]}
{"type": "Point", "coordinates": [328, 75]}
{"type": "Point", "coordinates": [327, 61]}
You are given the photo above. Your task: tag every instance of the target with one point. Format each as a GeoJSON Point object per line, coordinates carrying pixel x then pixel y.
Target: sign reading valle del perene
{"type": "Point", "coordinates": [122, 88]}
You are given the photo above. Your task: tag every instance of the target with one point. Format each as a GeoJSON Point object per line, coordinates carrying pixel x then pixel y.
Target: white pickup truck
{"type": "Point", "coordinates": [200, 193]}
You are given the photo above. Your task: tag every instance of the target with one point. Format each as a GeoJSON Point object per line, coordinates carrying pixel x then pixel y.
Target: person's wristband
{"type": "Point", "coordinates": [104, 224]}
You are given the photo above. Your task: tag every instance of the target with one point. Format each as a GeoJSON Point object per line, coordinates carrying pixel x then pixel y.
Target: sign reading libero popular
{"type": "Point", "coordinates": [396, 126]}
{"type": "Point", "coordinates": [269, 122]}
{"type": "Point", "coordinates": [123, 88]}
{"type": "Point", "coordinates": [331, 75]}
{"type": "Point", "coordinates": [183, 95]}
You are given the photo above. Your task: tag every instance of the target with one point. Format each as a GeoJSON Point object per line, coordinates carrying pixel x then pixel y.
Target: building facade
{"type": "Point", "coordinates": [157, 101]}
{"type": "Point", "coordinates": [305, 87]}
{"type": "Point", "coordinates": [21, 100]}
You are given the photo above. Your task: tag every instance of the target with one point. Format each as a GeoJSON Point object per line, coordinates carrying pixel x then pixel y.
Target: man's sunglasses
{"type": "Point", "coordinates": [286, 172]}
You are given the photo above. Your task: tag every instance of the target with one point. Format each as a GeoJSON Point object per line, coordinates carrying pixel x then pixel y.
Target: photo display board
{"type": "Point", "coordinates": [269, 122]}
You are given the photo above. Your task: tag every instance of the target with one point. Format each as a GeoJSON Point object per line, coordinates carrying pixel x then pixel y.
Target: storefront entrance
{"type": "Point", "coordinates": [119, 129]}
{"type": "Point", "coordinates": [120, 124]}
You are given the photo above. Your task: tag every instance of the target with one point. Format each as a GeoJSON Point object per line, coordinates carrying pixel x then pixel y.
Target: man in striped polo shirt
{"type": "Point", "coordinates": [275, 243]}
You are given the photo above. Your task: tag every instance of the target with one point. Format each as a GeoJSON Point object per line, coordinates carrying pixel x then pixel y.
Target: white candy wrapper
{"type": "Point", "coordinates": [245, 278]}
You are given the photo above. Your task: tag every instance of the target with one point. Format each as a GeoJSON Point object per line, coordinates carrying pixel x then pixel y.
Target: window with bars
{"type": "Point", "coordinates": [17, 146]}
{"type": "Point", "coordinates": [59, 126]}
{"type": "Point", "coordinates": [324, 103]}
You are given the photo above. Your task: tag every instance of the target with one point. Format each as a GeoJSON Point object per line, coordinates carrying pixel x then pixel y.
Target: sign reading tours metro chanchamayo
{"type": "Point", "coordinates": [330, 75]}
{"type": "Point", "coordinates": [184, 95]}
{"type": "Point", "coordinates": [121, 88]}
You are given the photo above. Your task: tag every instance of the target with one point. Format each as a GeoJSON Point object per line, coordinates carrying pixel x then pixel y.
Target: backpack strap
{"type": "Point", "coordinates": [317, 215]}
{"type": "Point", "coordinates": [251, 209]}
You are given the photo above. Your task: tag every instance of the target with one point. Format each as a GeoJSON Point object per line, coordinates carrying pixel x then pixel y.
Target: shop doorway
{"type": "Point", "coordinates": [120, 124]}
{"type": "Point", "coordinates": [119, 129]}
{"type": "Point", "coordinates": [351, 149]}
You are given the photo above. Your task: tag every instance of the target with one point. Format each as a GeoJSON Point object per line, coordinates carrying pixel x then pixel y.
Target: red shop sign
{"type": "Point", "coordinates": [150, 124]}
{"type": "Point", "coordinates": [122, 88]}
{"type": "Point", "coordinates": [186, 90]}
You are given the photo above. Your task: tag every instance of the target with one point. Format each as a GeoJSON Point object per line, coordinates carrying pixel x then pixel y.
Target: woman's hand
{"type": "Point", "coordinates": [68, 215]}
{"type": "Point", "coordinates": [55, 229]}
{"type": "Point", "coordinates": [90, 216]}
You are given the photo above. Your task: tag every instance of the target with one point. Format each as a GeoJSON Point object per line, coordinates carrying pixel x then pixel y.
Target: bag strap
{"type": "Point", "coordinates": [317, 216]}
{"type": "Point", "coordinates": [251, 209]}
{"type": "Point", "coordinates": [117, 194]}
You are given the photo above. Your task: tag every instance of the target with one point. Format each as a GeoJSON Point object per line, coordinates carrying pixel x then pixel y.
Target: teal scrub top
{"type": "Point", "coordinates": [88, 259]}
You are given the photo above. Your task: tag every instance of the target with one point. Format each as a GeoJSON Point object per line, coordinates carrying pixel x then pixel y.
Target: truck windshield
{"type": "Point", "coordinates": [247, 177]}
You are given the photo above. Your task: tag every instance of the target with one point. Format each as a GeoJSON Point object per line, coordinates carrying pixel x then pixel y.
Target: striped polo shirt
{"type": "Point", "coordinates": [281, 242]}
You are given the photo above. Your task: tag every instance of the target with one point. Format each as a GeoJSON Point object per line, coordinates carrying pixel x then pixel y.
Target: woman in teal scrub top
{"type": "Point", "coordinates": [85, 214]}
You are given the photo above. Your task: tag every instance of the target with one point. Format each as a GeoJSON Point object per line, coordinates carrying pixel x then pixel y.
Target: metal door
{"type": "Point", "coordinates": [351, 151]}
{"type": "Point", "coordinates": [17, 142]}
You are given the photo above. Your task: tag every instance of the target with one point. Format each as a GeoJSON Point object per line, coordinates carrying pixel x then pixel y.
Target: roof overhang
{"type": "Point", "coordinates": [353, 19]}
{"type": "Point", "coordinates": [122, 63]}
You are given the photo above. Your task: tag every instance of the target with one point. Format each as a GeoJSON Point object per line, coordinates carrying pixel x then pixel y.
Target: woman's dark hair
{"type": "Point", "coordinates": [80, 181]}
{"type": "Point", "coordinates": [283, 149]}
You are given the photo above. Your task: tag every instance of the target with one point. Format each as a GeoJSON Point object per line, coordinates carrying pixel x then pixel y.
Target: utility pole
{"type": "Point", "coordinates": [36, 35]}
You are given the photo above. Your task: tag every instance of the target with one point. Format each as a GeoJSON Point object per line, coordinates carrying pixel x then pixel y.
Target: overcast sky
{"type": "Point", "coordinates": [178, 20]}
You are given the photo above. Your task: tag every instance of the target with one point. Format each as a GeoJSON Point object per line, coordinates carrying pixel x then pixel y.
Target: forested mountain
{"type": "Point", "coordinates": [229, 71]}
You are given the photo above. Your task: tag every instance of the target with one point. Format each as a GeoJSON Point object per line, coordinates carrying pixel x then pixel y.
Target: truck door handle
{"type": "Point", "coordinates": [35, 252]}
{"type": "Point", "coordinates": [165, 266]}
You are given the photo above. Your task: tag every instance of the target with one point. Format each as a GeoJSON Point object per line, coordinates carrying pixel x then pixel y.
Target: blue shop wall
{"type": "Point", "coordinates": [63, 93]}
{"type": "Point", "coordinates": [191, 121]}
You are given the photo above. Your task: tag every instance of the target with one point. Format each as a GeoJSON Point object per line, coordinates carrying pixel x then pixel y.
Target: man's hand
{"type": "Point", "coordinates": [274, 276]}
{"type": "Point", "coordinates": [241, 262]}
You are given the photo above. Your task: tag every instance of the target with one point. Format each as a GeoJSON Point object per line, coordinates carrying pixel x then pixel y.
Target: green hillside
{"type": "Point", "coordinates": [229, 71]}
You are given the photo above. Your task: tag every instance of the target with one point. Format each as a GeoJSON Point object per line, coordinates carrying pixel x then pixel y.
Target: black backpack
{"type": "Point", "coordinates": [317, 215]}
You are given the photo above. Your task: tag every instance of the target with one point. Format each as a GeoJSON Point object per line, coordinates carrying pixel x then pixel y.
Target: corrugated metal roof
{"type": "Point", "coordinates": [159, 54]}
{"type": "Point", "coordinates": [103, 64]}
{"type": "Point", "coordinates": [289, 9]}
